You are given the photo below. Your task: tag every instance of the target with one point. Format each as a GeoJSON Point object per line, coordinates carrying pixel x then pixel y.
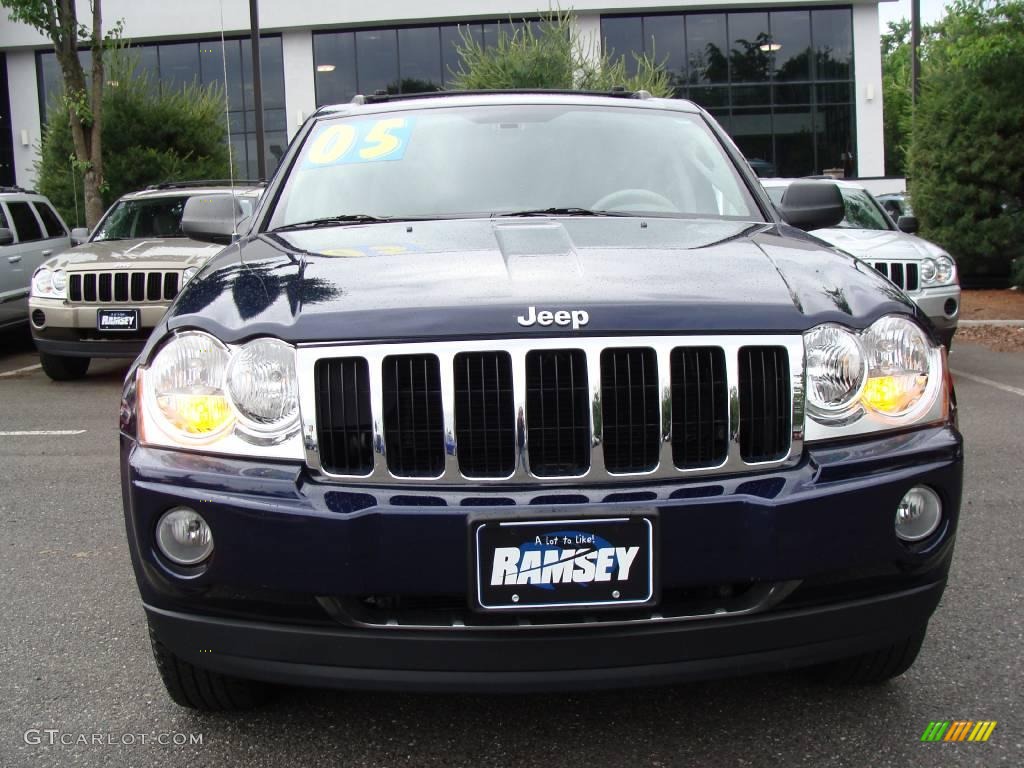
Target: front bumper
{"type": "Point", "coordinates": [70, 330]}
{"type": "Point", "coordinates": [942, 306]}
{"type": "Point", "coordinates": [288, 548]}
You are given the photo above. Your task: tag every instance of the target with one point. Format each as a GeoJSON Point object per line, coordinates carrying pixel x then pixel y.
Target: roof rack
{"type": "Point", "coordinates": [206, 183]}
{"type": "Point", "coordinates": [17, 190]}
{"type": "Point", "coordinates": [381, 96]}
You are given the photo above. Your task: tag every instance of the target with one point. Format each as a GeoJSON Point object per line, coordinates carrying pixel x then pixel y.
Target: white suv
{"type": "Point", "coordinates": [30, 232]}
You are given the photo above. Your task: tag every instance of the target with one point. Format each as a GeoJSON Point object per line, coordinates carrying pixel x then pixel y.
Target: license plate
{"type": "Point", "coordinates": [564, 563]}
{"type": "Point", "coordinates": [117, 320]}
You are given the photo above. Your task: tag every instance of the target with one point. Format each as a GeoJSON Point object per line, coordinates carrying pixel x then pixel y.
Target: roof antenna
{"type": "Point", "coordinates": [227, 124]}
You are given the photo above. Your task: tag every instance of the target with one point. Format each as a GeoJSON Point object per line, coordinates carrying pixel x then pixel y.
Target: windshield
{"type": "Point", "coordinates": [862, 212]}
{"type": "Point", "coordinates": [493, 160]}
{"type": "Point", "coordinates": [131, 219]}
{"type": "Point", "coordinates": [151, 217]}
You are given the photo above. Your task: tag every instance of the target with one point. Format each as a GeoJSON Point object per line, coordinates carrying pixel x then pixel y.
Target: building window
{"type": "Point", "coordinates": [178, 64]}
{"type": "Point", "coordinates": [396, 60]}
{"type": "Point", "coordinates": [779, 82]}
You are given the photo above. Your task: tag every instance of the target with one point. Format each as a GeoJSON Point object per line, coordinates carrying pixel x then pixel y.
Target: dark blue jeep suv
{"type": "Point", "coordinates": [521, 391]}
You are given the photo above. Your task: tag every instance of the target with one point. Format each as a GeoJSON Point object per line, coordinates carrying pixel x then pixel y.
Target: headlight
{"type": "Point", "coordinates": [945, 270]}
{"type": "Point", "coordinates": [888, 376]}
{"type": "Point", "coordinates": [188, 274]}
{"type": "Point", "coordinates": [263, 386]}
{"type": "Point", "coordinates": [201, 394]}
{"type": "Point", "coordinates": [49, 284]}
{"type": "Point", "coordinates": [59, 281]}
{"type": "Point", "coordinates": [835, 371]}
{"type": "Point", "coordinates": [187, 381]}
{"type": "Point", "coordinates": [937, 270]}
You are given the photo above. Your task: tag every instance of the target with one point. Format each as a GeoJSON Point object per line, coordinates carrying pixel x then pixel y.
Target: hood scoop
{"type": "Point", "coordinates": [537, 250]}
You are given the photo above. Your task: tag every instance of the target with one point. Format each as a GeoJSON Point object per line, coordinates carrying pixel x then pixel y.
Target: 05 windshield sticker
{"type": "Point", "coordinates": [361, 141]}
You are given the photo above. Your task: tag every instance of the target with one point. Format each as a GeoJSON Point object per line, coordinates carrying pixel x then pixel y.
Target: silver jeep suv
{"type": "Point", "coordinates": [102, 298]}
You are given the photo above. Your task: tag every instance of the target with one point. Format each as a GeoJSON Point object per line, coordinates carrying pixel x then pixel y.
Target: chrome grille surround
{"type": "Point", "coordinates": [308, 355]}
{"type": "Point", "coordinates": [124, 287]}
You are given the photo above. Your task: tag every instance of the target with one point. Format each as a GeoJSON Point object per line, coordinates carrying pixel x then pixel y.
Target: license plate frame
{"type": "Point", "coordinates": [105, 314]}
{"type": "Point", "coordinates": [597, 534]}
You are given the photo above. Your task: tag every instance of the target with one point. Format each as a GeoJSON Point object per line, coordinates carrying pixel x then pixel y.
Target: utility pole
{"type": "Point", "coordinates": [915, 50]}
{"type": "Point", "coordinates": [257, 88]}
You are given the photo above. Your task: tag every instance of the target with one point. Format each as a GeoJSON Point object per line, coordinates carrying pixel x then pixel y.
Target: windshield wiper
{"type": "Point", "coordinates": [342, 219]}
{"type": "Point", "coordinates": [570, 211]}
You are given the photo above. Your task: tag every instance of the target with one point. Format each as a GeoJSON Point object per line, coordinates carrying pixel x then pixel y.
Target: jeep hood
{"type": "Point", "coordinates": [875, 244]}
{"type": "Point", "coordinates": [158, 253]}
{"type": "Point", "coordinates": [425, 280]}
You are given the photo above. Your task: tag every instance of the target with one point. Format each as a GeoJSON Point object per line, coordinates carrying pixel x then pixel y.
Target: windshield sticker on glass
{"type": "Point", "coordinates": [363, 141]}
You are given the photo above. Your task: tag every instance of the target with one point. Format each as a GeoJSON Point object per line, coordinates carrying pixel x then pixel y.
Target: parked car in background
{"type": "Point", "coordinates": [31, 231]}
{"type": "Point", "coordinates": [923, 270]}
{"type": "Point", "coordinates": [102, 298]}
{"type": "Point", "coordinates": [896, 204]}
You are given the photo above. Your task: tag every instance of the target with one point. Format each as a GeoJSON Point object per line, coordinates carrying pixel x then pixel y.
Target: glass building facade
{"type": "Point", "coordinates": [781, 83]}
{"type": "Point", "coordinates": [174, 65]}
{"type": "Point", "coordinates": [397, 60]}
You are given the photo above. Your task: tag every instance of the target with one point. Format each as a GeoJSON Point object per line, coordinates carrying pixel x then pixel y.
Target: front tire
{"type": "Point", "coordinates": [61, 368]}
{"type": "Point", "coordinates": [875, 667]}
{"type": "Point", "coordinates": [197, 688]}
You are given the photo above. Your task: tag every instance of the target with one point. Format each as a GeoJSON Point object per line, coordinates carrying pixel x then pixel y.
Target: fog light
{"type": "Point", "coordinates": [918, 514]}
{"type": "Point", "coordinates": [184, 537]}
{"type": "Point", "coordinates": [950, 307]}
{"type": "Point", "coordinates": [38, 318]}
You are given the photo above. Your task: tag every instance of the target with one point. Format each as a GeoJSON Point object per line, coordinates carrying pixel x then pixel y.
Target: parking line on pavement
{"type": "Point", "coordinates": [41, 432]}
{"type": "Point", "coordinates": [989, 382]}
{"type": "Point", "coordinates": [17, 371]}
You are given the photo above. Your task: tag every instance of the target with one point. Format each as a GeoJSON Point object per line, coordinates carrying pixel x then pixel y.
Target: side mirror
{"type": "Point", "coordinates": [809, 205]}
{"type": "Point", "coordinates": [6, 236]}
{"type": "Point", "coordinates": [212, 218]}
{"type": "Point", "coordinates": [908, 224]}
{"type": "Point", "coordinates": [79, 235]}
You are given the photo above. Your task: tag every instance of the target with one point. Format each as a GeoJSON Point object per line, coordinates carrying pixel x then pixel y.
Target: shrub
{"type": "Point", "coordinates": [554, 56]}
{"type": "Point", "coordinates": [966, 158]}
{"type": "Point", "coordinates": [150, 135]}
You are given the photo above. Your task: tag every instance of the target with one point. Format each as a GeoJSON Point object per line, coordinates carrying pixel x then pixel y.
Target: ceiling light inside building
{"type": "Point", "coordinates": [324, 67]}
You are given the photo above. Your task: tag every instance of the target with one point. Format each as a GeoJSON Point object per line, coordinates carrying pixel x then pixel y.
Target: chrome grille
{"type": "Point", "coordinates": [903, 274]}
{"type": "Point", "coordinates": [123, 287]}
{"type": "Point", "coordinates": [552, 410]}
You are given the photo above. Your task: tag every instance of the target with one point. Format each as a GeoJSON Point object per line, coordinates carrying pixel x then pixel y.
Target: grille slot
{"type": "Point", "coordinates": [913, 280]}
{"type": "Point", "coordinates": [557, 418]}
{"type": "Point", "coordinates": [170, 285]}
{"type": "Point", "coordinates": [75, 287]}
{"type": "Point", "coordinates": [896, 275]}
{"type": "Point", "coordinates": [121, 286]}
{"type": "Point", "coordinates": [154, 285]}
{"type": "Point", "coordinates": [413, 421]}
{"type": "Point", "coordinates": [89, 289]}
{"type": "Point", "coordinates": [485, 414]}
{"type": "Point", "coordinates": [106, 290]}
{"type": "Point", "coordinates": [629, 400]}
{"type": "Point", "coordinates": [765, 412]}
{"type": "Point", "coordinates": [700, 407]}
{"type": "Point", "coordinates": [343, 415]}
{"type": "Point", "coordinates": [138, 286]}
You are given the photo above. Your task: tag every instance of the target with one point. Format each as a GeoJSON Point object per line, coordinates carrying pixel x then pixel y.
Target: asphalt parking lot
{"type": "Point", "coordinates": [75, 659]}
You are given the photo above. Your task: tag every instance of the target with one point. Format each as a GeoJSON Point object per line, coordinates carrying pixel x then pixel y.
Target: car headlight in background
{"type": "Point", "coordinates": [188, 274]}
{"type": "Point", "coordinates": [937, 270]}
{"type": "Point", "coordinates": [200, 393]}
{"type": "Point", "coordinates": [50, 283]}
{"type": "Point", "coordinates": [887, 376]}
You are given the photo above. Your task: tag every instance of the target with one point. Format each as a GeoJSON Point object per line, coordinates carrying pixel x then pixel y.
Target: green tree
{"type": "Point", "coordinates": [966, 159]}
{"type": "Point", "coordinates": [150, 135]}
{"type": "Point", "coordinates": [554, 56]}
{"type": "Point", "coordinates": [896, 96]}
{"type": "Point", "coordinates": [58, 21]}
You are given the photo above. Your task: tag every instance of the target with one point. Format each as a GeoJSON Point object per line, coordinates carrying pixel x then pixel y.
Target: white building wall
{"type": "Point", "coordinates": [299, 78]}
{"type": "Point", "coordinates": [867, 66]}
{"type": "Point", "coordinates": [25, 122]}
